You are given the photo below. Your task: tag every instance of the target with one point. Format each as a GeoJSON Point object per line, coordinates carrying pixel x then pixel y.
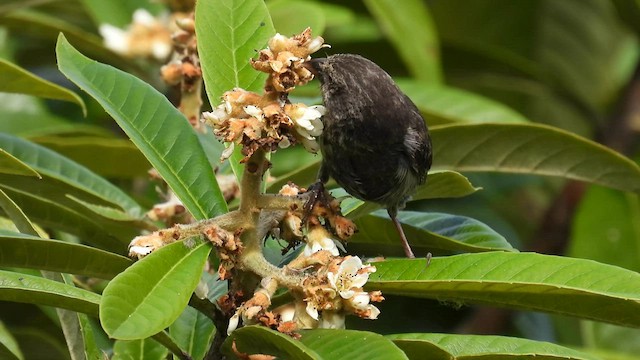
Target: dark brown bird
{"type": "Point", "coordinates": [375, 143]}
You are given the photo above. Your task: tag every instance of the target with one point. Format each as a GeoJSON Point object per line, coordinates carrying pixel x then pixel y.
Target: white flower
{"type": "Point", "coordinates": [350, 276]}
{"type": "Point", "coordinates": [331, 320]}
{"type": "Point", "coordinates": [145, 36]}
{"type": "Point", "coordinates": [360, 302]}
{"type": "Point", "coordinates": [115, 38]}
{"type": "Point", "coordinates": [316, 44]}
{"type": "Point", "coordinates": [216, 116]}
{"type": "Point", "coordinates": [287, 312]}
{"type": "Point", "coordinates": [227, 152]}
{"type": "Point", "coordinates": [319, 239]}
{"type": "Point", "coordinates": [312, 310]}
{"type": "Point", "coordinates": [233, 322]}
{"type": "Point", "coordinates": [278, 42]}
{"type": "Point", "coordinates": [309, 119]}
{"type": "Point", "coordinates": [143, 17]}
{"type": "Point", "coordinates": [140, 251]}
{"type": "Point", "coordinates": [254, 111]}
{"type": "Point", "coordinates": [308, 123]}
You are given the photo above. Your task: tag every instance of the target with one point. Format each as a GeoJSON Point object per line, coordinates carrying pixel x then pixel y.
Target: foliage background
{"type": "Point", "coordinates": [571, 64]}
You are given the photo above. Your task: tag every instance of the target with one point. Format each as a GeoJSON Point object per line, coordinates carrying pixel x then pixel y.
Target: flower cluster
{"type": "Point", "coordinates": [284, 58]}
{"type": "Point", "coordinates": [146, 36]}
{"type": "Point", "coordinates": [340, 291]}
{"type": "Point", "coordinates": [270, 121]}
{"type": "Point", "coordinates": [255, 122]}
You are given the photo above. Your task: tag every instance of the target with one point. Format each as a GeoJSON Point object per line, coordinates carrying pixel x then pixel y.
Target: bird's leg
{"type": "Point", "coordinates": [403, 238]}
{"type": "Point", "coordinates": [317, 194]}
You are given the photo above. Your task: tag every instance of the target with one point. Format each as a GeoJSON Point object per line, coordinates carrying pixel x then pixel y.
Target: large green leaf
{"type": "Point", "coordinates": [350, 344]}
{"type": "Point", "coordinates": [108, 157]}
{"type": "Point", "coordinates": [469, 347]}
{"type": "Point", "coordinates": [9, 348]}
{"type": "Point", "coordinates": [14, 79]}
{"type": "Point", "coordinates": [151, 294]}
{"type": "Point", "coordinates": [104, 233]}
{"type": "Point", "coordinates": [229, 34]}
{"type": "Point", "coordinates": [76, 179]}
{"type": "Point", "coordinates": [313, 344]}
{"type": "Point", "coordinates": [17, 216]}
{"type": "Point", "coordinates": [35, 290]}
{"type": "Point", "coordinates": [427, 232]}
{"type": "Point", "coordinates": [193, 332]}
{"type": "Point", "coordinates": [445, 105]}
{"type": "Point", "coordinates": [25, 251]}
{"type": "Point", "coordinates": [439, 184]}
{"type": "Point", "coordinates": [26, 123]}
{"type": "Point", "coordinates": [9, 164]}
{"type": "Point", "coordinates": [74, 334]}
{"type": "Point", "coordinates": [531, 149]}
{"type": "Point", "coordinates": [157, 128]}
{"type": "Point", "coordinates": [409, 26]}
{"type": "Point", "coordinates": [292, 17]}
{"type": "Point", "coordinates": [145, 349]}
{"type": "Point", "coordinates": [567, 286]}
{"type": "Point", "coordinates": [261, 340]}
{"type": "Point", "coordinates": [610, 235]}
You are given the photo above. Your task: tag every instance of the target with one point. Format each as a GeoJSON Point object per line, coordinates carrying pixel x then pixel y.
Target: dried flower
{"type": "Point", "coordinates": [146, 36]}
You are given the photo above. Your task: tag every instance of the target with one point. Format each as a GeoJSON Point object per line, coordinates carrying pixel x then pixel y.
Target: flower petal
{"type": "Point", "coordinates": [312, 310]}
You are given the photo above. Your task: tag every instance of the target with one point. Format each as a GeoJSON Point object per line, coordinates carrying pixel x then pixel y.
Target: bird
{"type": "Point", "coordinates": [375, 143]}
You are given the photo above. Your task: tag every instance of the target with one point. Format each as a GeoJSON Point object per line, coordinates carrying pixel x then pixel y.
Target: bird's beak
{"type": "Point", "coordinates": [315, 65]}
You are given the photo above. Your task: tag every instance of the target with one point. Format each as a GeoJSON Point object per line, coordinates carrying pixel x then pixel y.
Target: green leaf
{"type": "Point", "coordinates": [566, 286]}
{"type": "Point", "coordinates": [35, 253]}
{"type": "Point", "coordinates": [30, 124]}
{"type": "Point", "coordinates": [91, 348]}
{"type": "Point", "coordinates": [35, 290]}
{"type": "Point", "coordinates": [106, 211]}
{"type": "Point", "coordinates": [350, 344]}
{"type": "Point", "coordinates": [157, 128]}
{"type": "Point", "coordinates": [444, 105]}
{"type": "Point", "coordinates": [104, 233]}
{"type": "Point", "coordinates": [292, 17]}
{"type": "Point", "coordinates": [409, 27]}
{"type": "Point", "coordinates": [17, 216]}
{"type": "Point", "coordinates": [193, 332]}
{"type": "Point", "coordinates": [77, 179]}
{"type": "Point", "coordinates": [151, 294]}
{"type": "Point", "coordinates": [427, 232]}
{"type": "Point", "coordinates": [531, 149]}
{"type": "Point", "coordinates": [9, 348]}
{"type": "Point", "coordinates": [9, 164]}
{"type": "Point", "coordinates": [229, 34]}
{"type": "Point", "coordinates": [610, 236]}
{"type": "Point", "coordinates": [70, 324]}
{"type": "Point", "coordinates": [439, 184]}
{"type": "Point", "coordinates": [261, 340]}
{"type": "Point", "coordinates": [109, 157]}
{"type": "Point", "coordinates": [14, 79]}
{"type": "Point", "coordinates": [146, 349]}
{"type": "Point", "coordinates": [436, 346]}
